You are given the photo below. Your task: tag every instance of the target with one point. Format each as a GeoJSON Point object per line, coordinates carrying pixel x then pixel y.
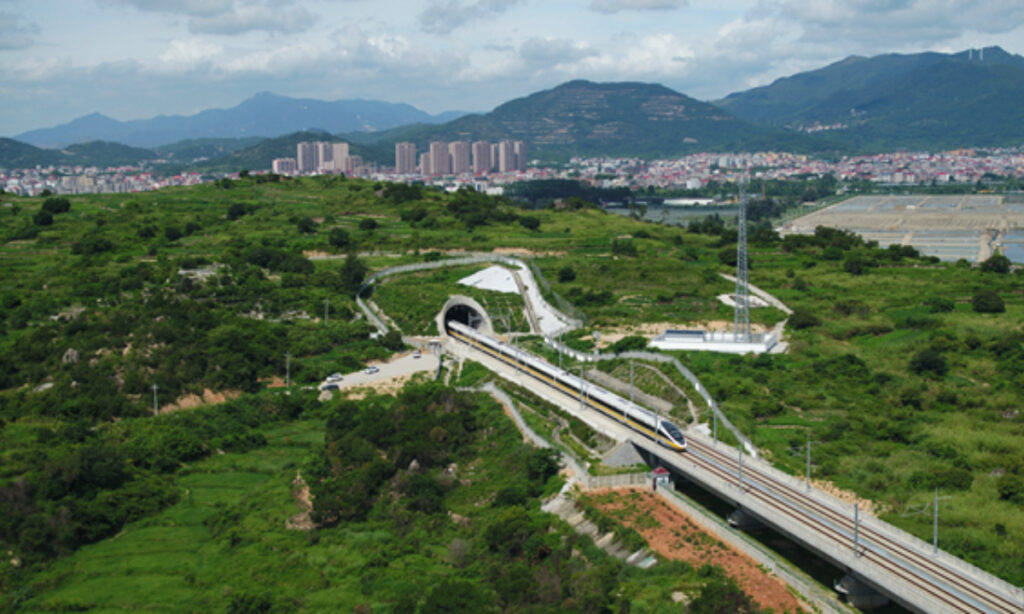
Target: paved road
{"type": "Point", "coordinates": [402, 366]}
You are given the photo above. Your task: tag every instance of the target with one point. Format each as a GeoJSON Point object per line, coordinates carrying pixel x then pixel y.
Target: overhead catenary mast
{"type": "Point", "coordinates": [742, 295]}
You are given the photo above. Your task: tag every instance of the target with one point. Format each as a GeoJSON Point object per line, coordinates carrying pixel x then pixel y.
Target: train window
{"type": "Point", "coordinates": [672, 430]}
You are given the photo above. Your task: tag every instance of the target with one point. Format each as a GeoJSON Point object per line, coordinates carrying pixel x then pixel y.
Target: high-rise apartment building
{"type": "Point", "coordinates": [494, 156]}
{"type": "Point", "coordinates": [324, 155]}
{"type": "Point", "coordinates": [340, 158]}
{"type": "Point", "coordinates": [506, 157]}
{"type": "Point", "coordinates": [426, 168]}
{"type": "Point", "coordinates": [405, 158]}
{"type": "Point", "coordinates": [306, 157]}
{"type": "Point", "coordinates": [284, 166]}
{"type": "Point", "coordinates": [519, 148]}
{"type": "Point", "coordinates": [459, 152]}
{"type": "Point", "coordinates": [440, 159]}
{"type": "Point", "coordinates": [481, 157]}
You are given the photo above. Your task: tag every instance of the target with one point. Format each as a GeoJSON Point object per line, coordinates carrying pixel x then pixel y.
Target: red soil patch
{"type": "Point", "coordinates": [675, 536]}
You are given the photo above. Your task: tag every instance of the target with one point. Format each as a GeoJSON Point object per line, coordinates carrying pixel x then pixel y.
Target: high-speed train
{"type": "Point", "coordinates": [613, 406]}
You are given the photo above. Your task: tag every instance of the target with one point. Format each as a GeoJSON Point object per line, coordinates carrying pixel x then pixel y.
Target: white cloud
{"type": "Point", "coordinates": [15, 32]}
{"type": "Point", "coordinates": [230, 16]}
{"type": "Point", "coordinates": [443, 16]}
{"type": "Point", "coordinates": [615, 6]}
{"type": "Point", "coordinates": [189, 53]}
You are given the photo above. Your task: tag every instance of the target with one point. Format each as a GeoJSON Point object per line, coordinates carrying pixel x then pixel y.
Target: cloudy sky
{"type": "Point", "coordinates": [129, 59]}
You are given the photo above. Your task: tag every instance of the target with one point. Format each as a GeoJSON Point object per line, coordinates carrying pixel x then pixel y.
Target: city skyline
{"type": "Point", "coordinates": [134, 58]}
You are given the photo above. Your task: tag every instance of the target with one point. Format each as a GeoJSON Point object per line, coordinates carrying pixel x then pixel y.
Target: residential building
{"type": "Point", "coordinates": [459, 152]}
{"type": "Point", "coordinates": [306, 157]}
{"type": "Point", "coordinates": [440, 159]}
{"type": "Point", "coordinates": [405, 158]}
{"type": "Point", "coordinates": [284, 166]}
{"type": "Point", "coordinates": [506, 157]}
{"type": "Point", "coordinates": [519, 148]}
{"type": "Point", "coordinates": [481, 157]}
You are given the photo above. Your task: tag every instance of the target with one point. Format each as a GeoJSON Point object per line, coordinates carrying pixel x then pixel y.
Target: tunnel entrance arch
{"type": "Point", "coordinates": [467, 311]}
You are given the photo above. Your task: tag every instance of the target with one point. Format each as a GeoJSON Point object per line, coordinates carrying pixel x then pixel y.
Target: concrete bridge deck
{"type": "Point", "coordinates": [889, 560]}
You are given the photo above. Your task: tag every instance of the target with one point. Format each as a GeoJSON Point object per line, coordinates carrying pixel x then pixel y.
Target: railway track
{"type": "Point", "coordinates": [947, 588]}
{"type": "Point", "coordinates": [955, 591]}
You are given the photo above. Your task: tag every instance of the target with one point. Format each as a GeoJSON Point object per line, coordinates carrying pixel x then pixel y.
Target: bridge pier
{"type": "Point", "coordinates": [859, 594]}
{"type": "Point", "coordinates": [743, 520]}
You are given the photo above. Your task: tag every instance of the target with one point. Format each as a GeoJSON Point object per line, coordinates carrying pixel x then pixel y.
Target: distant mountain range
{"type": "Point", "coordinates": [614, 119]}
{"type": "Point", "coordinates": [264, 115]}
{"type": "Point", "coordinates": [925, 101]}
{"type": "Point", "coordinates": [917, 101]}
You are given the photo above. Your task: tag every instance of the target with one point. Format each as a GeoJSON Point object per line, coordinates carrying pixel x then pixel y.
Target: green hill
{"type": "Point", "coordinates": [923, 101]}
{"type": "Point", "coordinates": [15, 154]}
{"type": "Point", "coordinates": [614, 119]}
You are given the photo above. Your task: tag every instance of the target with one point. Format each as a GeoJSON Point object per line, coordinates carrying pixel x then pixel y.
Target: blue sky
{"type": "Point", "coordinates": [129, 59]}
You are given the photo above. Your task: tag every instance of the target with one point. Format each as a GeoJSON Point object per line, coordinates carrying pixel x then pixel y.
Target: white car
{"type": "Point", "coordinates": [334, 377]}
{"type": "Point", "coordinates": [417, 354]}
{"type": "Point", "coordinates": [371, 370]}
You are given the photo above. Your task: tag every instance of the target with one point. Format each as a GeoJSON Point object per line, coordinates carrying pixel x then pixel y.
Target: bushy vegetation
{"type": "Point", "coordinates": [905, 384]}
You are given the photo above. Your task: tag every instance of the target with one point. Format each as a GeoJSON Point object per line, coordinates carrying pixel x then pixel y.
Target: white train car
{"type": "Point", "coordinates": [632, 415]}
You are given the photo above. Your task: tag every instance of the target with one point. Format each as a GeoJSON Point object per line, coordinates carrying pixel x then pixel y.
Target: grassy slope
{"type": "Point", "coordinates": [877, 429]}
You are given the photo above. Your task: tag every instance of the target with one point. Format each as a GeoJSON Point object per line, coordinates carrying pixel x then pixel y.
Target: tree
{"type": "Point", "coordinates": [339, 238]}
{"type": "Point", "coordinates": [929, 362]}
{"type": "Point", "coordinates": [57, 205]}
{"type": "Point", "coordinates": [566, 274]}
{"type": "Point", "coordinates": [453, 596]}
{"type": "Point", "coordinates": [529, 222]}
{"type": "Point", "coordinates": [42, 218]}
{"type": "Point", "coordinates": [728, 256]}
{"type": "Point", "coordinates": [306, 226]}
{"type": "Point", "coordinates": [987, 301]}
{"type": "Point", "coordinates": [172, 233]}
{"type": "Point", "coordinates": [352, 274]}
{"type": "Point", "coordinates": [243, 173]}
{"type": "Point", "coordinates": [236, 210]}
{"type": "Point", "coordinates": [997, 263]}
{"type": "Point", "coordinates": [367, 224]}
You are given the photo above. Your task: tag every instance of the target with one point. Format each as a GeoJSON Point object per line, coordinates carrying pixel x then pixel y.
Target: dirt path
{"type": "Point", "coordinates": [675, 536]}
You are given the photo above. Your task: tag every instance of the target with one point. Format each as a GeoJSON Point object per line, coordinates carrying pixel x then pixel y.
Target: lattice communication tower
{"type": "Point", "coordinates": [742, 296]}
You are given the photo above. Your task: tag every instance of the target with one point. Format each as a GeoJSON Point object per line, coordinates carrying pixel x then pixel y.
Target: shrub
{"type": "Point", "coordinates": [566, 274]}
{"type": "Point", "coordinates": [236, 210]}
{"type": "Point", "coordinates": [628, 344]}
{"type": "Point", "coordinates": [529, 222]}
{"type": "Point", "coordinates": [42, 218]}
{"type": "Point", "coordinates": [940, 304]}
{"type": "Point", "coordinates": [929, 362]}
{"type": "Point", "coordinates": [368, 224]}
{"type": "Point", "coordinates": [57, 205]}
{"type": "Point", "coordinates": [727, 256]}
{"type": "Point", "coordinates": [802, 318]}
{"type": "Point", "coordinates": [339, 238]}
{"type": "Point", "coordinates": [997, 263]}
{"type": "Point", "coordinates": [172, 233]}
{"type": "Point", "coordinates": [1011, 488]}
{"type": "Point", "coordinates": [306, 226]}
{"type": "Point", "coordinates": [987, 301]}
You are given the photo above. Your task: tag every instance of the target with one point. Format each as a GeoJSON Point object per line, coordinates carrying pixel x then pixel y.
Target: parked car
{"type": "Point", "coordinates": [329, 386]}
{"type": "Point", "coordinates": [417, 354]}
{"type": "Point", "coordinates": [334, 377]}
{"type": "Point", "coordinates": [371, 370]}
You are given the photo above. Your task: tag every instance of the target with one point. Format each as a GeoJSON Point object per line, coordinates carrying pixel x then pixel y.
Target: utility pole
{"type": "Point", "coordinates": [583, 384]}
{"type": "Point", "coordinates": [856, 527]}
{"type": "Point", "coordinates": [741, 468]}
{"type": "Point", "coordinates": [809, 442]}
{"type": "Point", "coordinates": [714, 421]}
{"type": "Point", "coordinates": [935, 524]}
{"type": "Point", "coordinates": [156, 410]}
{"type": "Point", "coordinates": [287, 370]}
{"type": "Point", "coordinates": [559, 351]}
{"type": "Point", "coordinates": [631, 382]}
{"type": "Point", "coordinates": [327, 304]}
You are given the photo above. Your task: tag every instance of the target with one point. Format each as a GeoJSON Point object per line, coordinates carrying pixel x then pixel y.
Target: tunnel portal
{"type": "Point", "coordinates": [467, 311]}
